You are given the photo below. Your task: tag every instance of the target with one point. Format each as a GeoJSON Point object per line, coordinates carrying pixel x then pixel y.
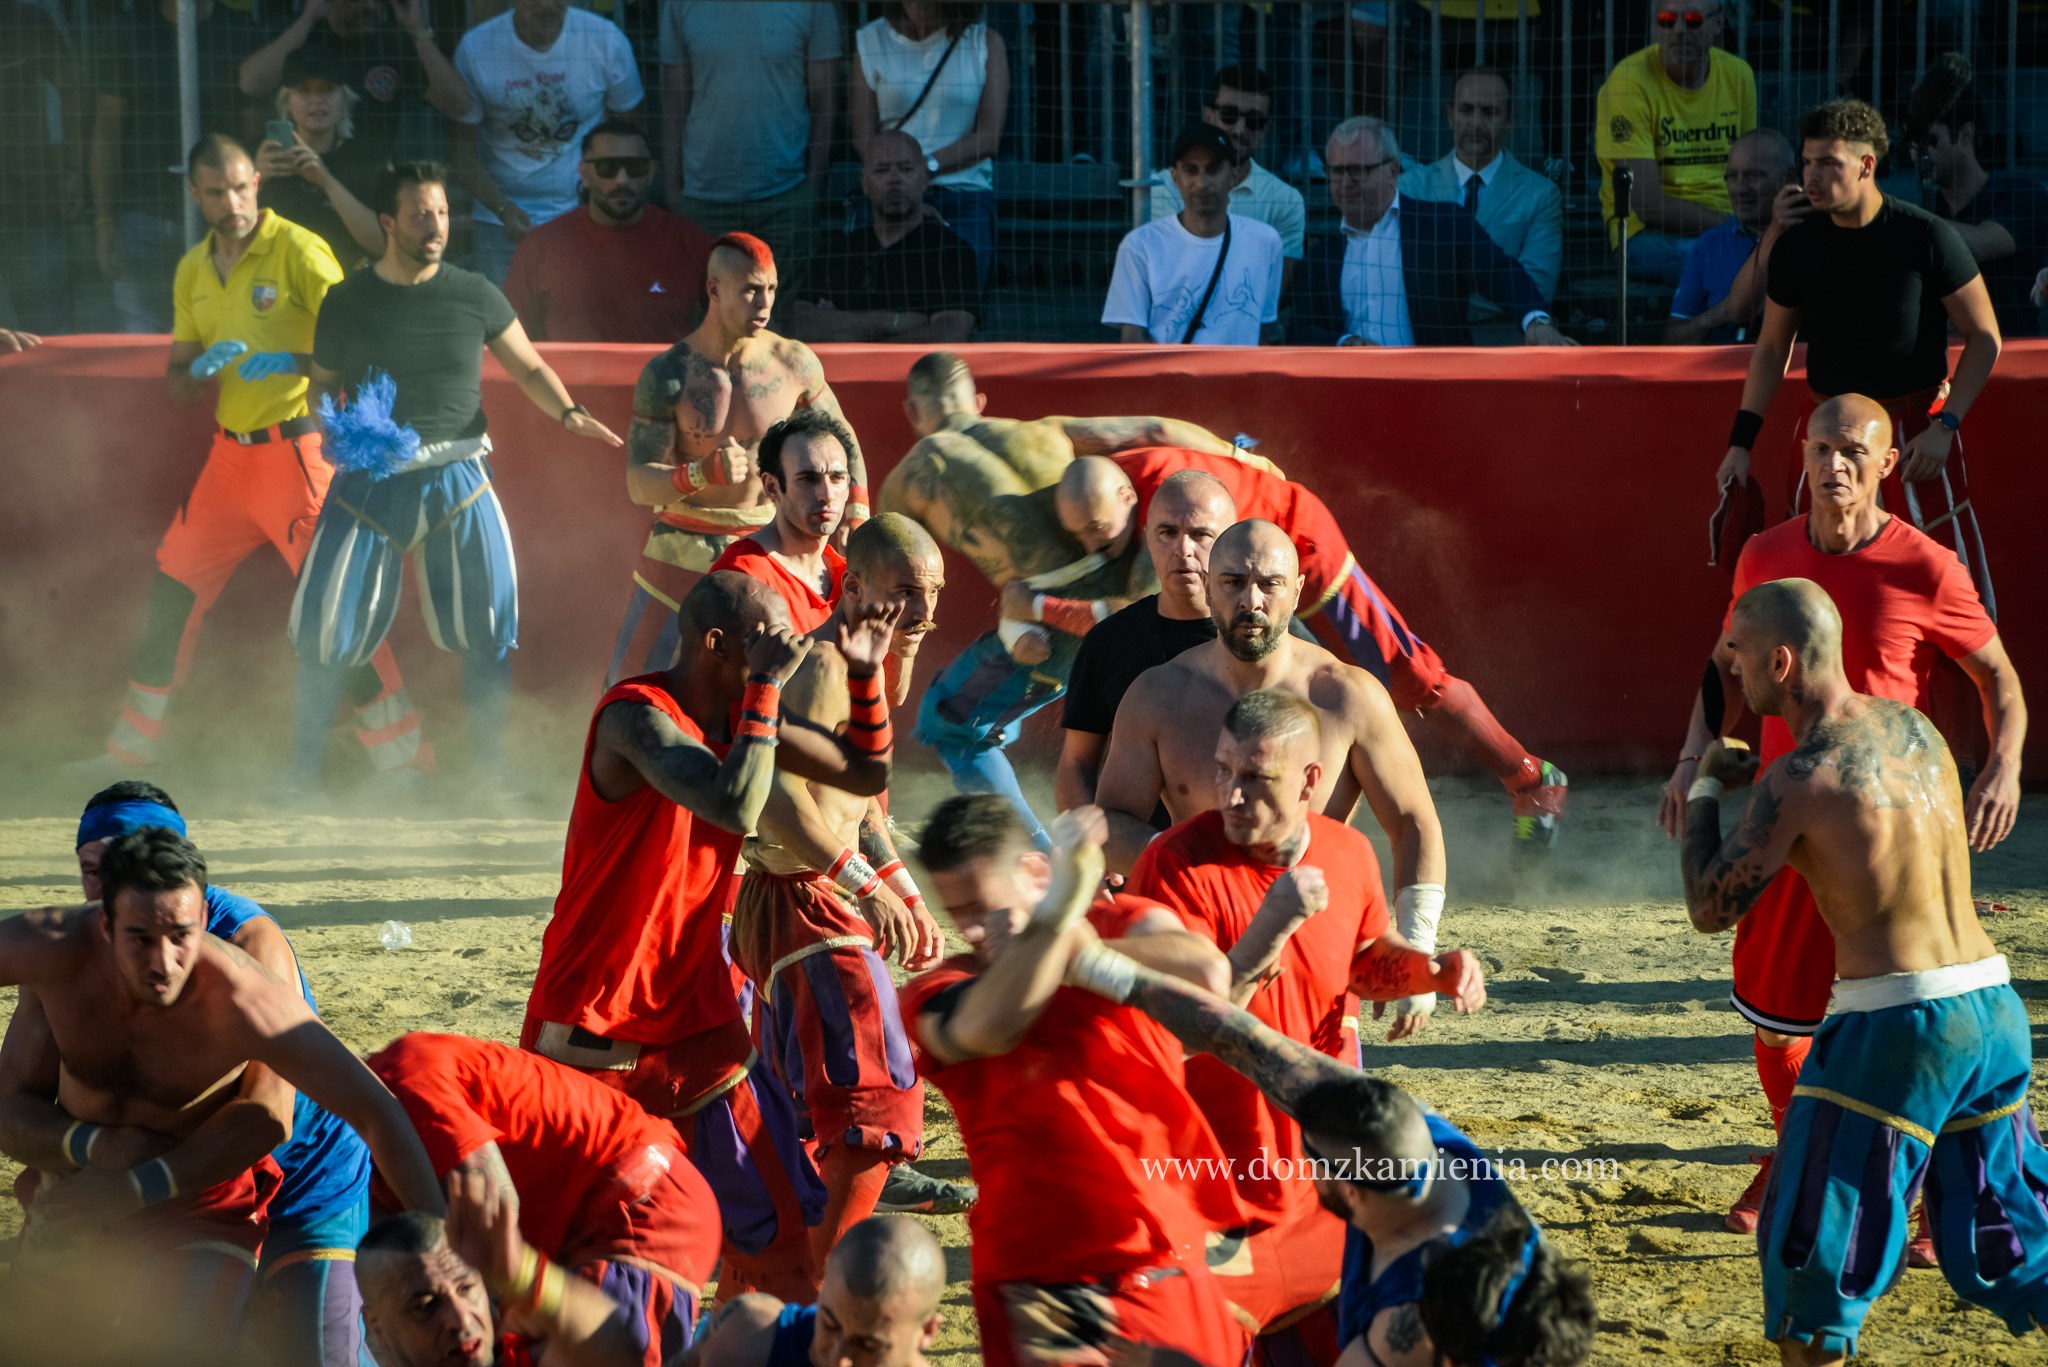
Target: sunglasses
{"type": "Point", "coordinates": [608, 167]}
{"type": "Point", "coordinates": [1252, 119]}
{"type": "Point", "coordinates": [1693, 18]}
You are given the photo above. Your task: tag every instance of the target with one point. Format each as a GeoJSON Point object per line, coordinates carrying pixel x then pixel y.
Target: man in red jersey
{"type": "Point", "coordinates": [1102, 501]}
{"type": "Point", "coordinates": [603, 1188]}
{"type": "Point", "coordinates": [1293, 899]}
{"type": "Point", "coordinates": [1092, 1223]}
{"type": "Point", "coordinates": [804, 472]}
{"type": "Point", "coordinates": [632, 983]}
{"type": "Point", "coordinates": [1905, 600]}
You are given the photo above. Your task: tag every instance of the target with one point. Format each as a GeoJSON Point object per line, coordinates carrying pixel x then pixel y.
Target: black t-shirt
{"type": "Point", "coordinates": [2019, 205]}
{"type": "Point", "coordinates": [1112, 656]}
{"type": "Point", "coordinates": [429, 338]}
{"type": "Point", "coordinates": [357, 165]}
{"type": "Point", "coordinates": [383, 67]}
{"type": "Point", "coordinates": [930, 270]}
{"type": "Point", "coordinates": [1870, 298]}
{"type": "Point", "coordinates": [134, 55]}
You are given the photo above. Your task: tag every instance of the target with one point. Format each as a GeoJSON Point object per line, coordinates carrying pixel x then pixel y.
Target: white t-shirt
{"type": "Point", "coordinates": [535, 107]}
{"type": "Point", "coordinates": [1261, 195]}
{"type": "Point", "coordinates": [1162, 270]}
{"type": "Point", "coordinates": [896, 69]}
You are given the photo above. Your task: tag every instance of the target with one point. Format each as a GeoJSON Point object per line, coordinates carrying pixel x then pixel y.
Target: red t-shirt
{"type": "Point", "coordinates": [1258, 493]}
{"type": "Point", "coordinates": [632, 952]}
{"type": "Point", "coordinates": [573, 280]}
{"type": "Point", "coordinates": [1216, 887]}
{"type": "Point", "coordinates": [562, 1135]}
{"type": "Point", "coordinates": [1060, 1132]}
{"type": "Point", "coordinates": [807, 611]}
{"type": "Point", "coordinates": [1904, 599]}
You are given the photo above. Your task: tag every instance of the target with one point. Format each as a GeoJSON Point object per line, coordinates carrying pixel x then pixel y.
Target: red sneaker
{"type": "Point", "coordinates": [1920, 1248]}
{"type": "Point", "coordinates": [1747, 1211]}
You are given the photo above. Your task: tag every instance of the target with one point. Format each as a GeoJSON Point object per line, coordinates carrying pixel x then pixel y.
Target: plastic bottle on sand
{"type": "Point", "coordinates": [395, 935]}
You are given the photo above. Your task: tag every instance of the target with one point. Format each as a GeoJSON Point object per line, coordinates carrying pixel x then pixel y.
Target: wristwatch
{"type": "Point", "coordinates": [1949, 420]}
{"type": "Point", "coordinates": [931, 164]}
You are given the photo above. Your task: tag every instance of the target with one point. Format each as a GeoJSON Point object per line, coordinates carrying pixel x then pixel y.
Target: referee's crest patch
{"type": "Point", "coordinates": [263, 296]}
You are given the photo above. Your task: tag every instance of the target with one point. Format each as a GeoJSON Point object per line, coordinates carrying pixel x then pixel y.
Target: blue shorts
{"type": "Point", "coordinates": [1931, 1092]}
{"type": "Point", "coordinates": [449, 519]}
{"type": "Point", "coordinates": [983, 696]}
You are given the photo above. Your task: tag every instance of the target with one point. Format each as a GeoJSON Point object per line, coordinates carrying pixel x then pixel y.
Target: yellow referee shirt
{"type": "Point", "coordinates": [1645, 115]}
{"type": "Point", "coordinates": [270, 301]}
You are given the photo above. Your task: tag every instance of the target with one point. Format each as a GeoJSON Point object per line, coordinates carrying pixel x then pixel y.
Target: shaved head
{"type": "Point", "coordinates": [1256, 539]}
{"type": "Point", "coordinates": [1186, 492]}
{"type": "Point", "coordinates": [730, 602]}
{"type": "Point", "coordinates": [886, 1256]}
{"type": "Point", "coordinates": [1854, 415]}
{"type": "Point", "coordinates": [1796, 614]}
{"type": "Point", "coordinates": [1254, 587]}
{"type": "Point", "coordinates": [1189, 511]}
{"type": "Point", "coordinates": [888, 541]}
{"type": "Point", "coordinates": [1272, 714]}
{"type": "Point", "coordinates": [1097, 504]}
{"type": "Point", "coordinates": [736, 255]}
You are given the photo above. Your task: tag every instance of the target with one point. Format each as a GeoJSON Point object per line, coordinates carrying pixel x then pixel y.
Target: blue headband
{"type": "Point", "coordinates": [1514, 1286]}
{"type": "Point", "coordinates": [111, 819]}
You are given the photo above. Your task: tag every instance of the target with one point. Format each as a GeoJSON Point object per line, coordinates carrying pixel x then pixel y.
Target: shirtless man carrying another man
{"type": "Point", "coordinates": [1920, 1070]}
{"type": "Point", "coordinates": [699, 410]}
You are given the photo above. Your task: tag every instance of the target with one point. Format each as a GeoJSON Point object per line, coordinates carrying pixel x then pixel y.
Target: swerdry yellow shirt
{"type": "Point", "coordinates": [270, 300]}
{"type": "Point", "coordinates": [1644, 115]}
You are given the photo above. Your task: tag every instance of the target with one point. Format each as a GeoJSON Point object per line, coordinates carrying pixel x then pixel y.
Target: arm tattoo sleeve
{"type": "Point", "coordinates": [1281, 1068]}
{"type": "Point", "coordinates": [1724, 879]}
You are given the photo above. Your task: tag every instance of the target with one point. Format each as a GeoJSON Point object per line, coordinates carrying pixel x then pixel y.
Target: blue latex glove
{"type": "Point", "coordinates": [264, 364]}
{"type": "Point", "coordinates": [208, 363]}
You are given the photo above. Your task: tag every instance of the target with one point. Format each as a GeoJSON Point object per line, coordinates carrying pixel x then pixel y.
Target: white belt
{"type": "Point", "coordinates": [434, 454]}
{"type": "Point", "coordinates": [1928, 984]}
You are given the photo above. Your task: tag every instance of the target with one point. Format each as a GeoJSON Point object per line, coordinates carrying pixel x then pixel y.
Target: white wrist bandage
{"type": "Point", "coordinates": [901, 883]}
{"type": "Point", "coordinates": [1710, 788]}
{"type": "Point", "coordinates": [1103, 971]}
{"type": "Point", "coordinates": [1417, 909]}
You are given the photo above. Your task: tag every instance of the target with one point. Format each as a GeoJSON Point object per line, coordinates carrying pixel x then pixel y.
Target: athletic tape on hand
{"type": "Point", "coordinates": [1709, 788]}
{"type": "Point", "coordinates": [1099, 969]}
{"type": "Point", "coordinates": [1417, 910]}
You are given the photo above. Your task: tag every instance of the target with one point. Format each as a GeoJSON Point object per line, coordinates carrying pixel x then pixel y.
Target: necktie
{"type": "Point", "coordinates": [1473, 185]}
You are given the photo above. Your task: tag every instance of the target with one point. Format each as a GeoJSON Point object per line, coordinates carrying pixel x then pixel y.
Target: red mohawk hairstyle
{"type": "Point", "coordinates": [751, 247]}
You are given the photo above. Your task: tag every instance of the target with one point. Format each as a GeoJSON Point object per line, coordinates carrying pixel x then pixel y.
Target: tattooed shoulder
{"type": "Point", "coordinates": [1404, 1327]}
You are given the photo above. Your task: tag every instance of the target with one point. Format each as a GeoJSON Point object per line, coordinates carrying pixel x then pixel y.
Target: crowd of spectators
{"type": "Point", "coordinates": [593, 182]}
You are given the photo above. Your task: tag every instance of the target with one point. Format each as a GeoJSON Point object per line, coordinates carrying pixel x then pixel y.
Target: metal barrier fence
{"type": "Point", "coordinates": [1042, 137]}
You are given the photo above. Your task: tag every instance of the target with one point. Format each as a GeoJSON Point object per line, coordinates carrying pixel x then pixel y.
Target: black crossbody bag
{"type": "Point", "coordinates": [1202, 309]}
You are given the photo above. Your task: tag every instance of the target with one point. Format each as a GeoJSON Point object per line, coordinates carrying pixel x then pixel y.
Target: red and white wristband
{"type": "Point", "coordinates": [900, 882]}
{"type": "Point", "coordinates": [854, 874]}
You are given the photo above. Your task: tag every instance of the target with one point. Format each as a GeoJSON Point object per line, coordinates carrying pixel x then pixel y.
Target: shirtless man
{"type": "Point", "coordinates": [633, 986]}
{"type": "Point", "coordinates": [825, 902]}
{"type": "Point", "coordinates": [1163, 745]}
{"type": "Point", "coordinates": [699, 410]}
{"type": "Point", "coordinates": [182, 1052]}
{"type": "Point", "coordinates": [983, 486]}
{"type": "Point", "coordinates": [804, 468]}
{"type": "Point", "coordinates": [1920, 1070]}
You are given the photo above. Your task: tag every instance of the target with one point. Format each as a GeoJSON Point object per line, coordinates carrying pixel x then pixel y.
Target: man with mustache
{"type": "Point", "coordinates": [1163, 746]}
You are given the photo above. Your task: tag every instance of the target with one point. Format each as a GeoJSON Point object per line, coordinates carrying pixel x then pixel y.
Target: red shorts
{"type": "Point", "coordinates": [826, 1019]}
{"type": "Point", "coordinates": [1784, 959]}
{"type": "Point", "coordinates": [668, 1080]}
{"type": "Point", "coordinates": [1282, 1275]}
{"type": "Point", "coordinates": [649, 1239]}
{"type": "Point", "coordinates": [1180, 1308]}
{"type": "Point", "coordinates": [230, 1217]}
{"type": "Point", "coordinates": [246, 497]}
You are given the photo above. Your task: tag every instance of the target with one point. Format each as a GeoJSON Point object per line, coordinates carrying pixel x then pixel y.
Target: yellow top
{"type": "Point", "coordinates": [270, 301]}
{"type": "Point", "coordinates": [1496, 10]}
{"type": "Point", "coordinates": [1645, 115]}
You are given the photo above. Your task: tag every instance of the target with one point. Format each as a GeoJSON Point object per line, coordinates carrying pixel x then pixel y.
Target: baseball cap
{"type": "Point", "coordinates": [312, 62]}
{"type": "Point", "coordinates": [1198, 135]}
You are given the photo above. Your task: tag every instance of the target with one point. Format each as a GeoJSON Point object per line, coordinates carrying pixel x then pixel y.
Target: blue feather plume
{"type": "Point", "coordinates": [361, 434]}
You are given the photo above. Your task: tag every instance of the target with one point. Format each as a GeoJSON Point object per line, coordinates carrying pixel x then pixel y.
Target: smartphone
{"type": "Point", "coordinates": [280, 132]}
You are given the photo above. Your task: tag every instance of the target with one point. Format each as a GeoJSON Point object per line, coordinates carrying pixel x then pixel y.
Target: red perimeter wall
{"type": "Point", "coordinates": [1538, 515]}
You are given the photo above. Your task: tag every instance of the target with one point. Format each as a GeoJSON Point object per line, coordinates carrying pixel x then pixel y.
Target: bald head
{"type": "Point", "coordinates": [731, 603]}
{"type": "Point", "coordinates": [1798, 615]}
{"type": "Point", "coordinates": [1097, 504]}
{"type": "Point", "coordinates": [887, 1256]}
{"type": "Point", "coordinates": [1254, 586]}
{"type": "Point", "coordinates": [940, 386]}
{"type": "Point", "coordinates": [1186, 492]}
{"type": "Point", "coordinates": [888, 541]}
{"type": "Point", "coordinates": [1255, 541]}
{"type": "Point", "coordinates": [1856, 416]}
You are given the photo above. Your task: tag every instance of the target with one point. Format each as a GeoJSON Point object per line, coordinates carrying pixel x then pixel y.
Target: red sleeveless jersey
{"type": "Point", "coordinates": [632, 952]}
{"type": "Point", "coordinates": [1258, 493]}
{"type": "Point", "coordinates": [807, 611]}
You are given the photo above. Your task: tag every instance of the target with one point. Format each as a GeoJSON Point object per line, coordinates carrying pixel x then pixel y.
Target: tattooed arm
{"type": "Point", "coordinates": [1101, 436]}
{"type": "Point", "coordinates": [811, 373]}
{"type": "Point", "coordinates": [1724, 877]}
{"type": "Point", "coordinates": [651, 440]}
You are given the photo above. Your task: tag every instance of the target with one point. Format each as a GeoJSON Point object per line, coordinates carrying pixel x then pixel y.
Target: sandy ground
{"type": "Point", "coordinates": [1607, 1035]}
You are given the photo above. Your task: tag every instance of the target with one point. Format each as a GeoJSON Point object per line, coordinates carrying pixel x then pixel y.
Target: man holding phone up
{"type": "Point", "coordinates": [1720, 296]}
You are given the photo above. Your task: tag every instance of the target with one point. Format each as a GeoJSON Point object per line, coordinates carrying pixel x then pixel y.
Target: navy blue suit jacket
{"type": "Point", "coordinates": [1446, 258]}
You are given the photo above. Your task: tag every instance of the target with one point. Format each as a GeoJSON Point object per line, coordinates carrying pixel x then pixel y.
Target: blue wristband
{"type": "Point", "coordinates": [78, 1143]}
{"type": "Point", "coordinates": [153, 1182]}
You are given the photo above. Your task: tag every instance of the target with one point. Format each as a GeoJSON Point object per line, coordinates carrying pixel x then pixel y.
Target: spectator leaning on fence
{"type": "Point", "coordinates": [1720, 295]}
{"type": "Point", "coordinates": [936, 72]}
{"type": "Point", "coordinates": [1242, 106]}
{"type": "Point", "coordinates": [1519, 208]}
{"type": "Point", "coordinates": [312, 177]}
{"type": "Point", "coordinates": [904, 277]}
{"type": "Point", "coordinates": [1670, 113]}
{"type": "Point", "coordinates": [1205, 275]}
{"type": "Point", "coordinates": [540, 78]}
{"type": "Point", "coordinates": [2002, 216]}
{"type": "Point", "coordinates": [618, 269]}
{"type": "Point", "coordinates": [389, 63]}
{"type": "Point", "coordinates": [1401, 271]}
{"type": "Point", "coordinates": [747, 112]}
